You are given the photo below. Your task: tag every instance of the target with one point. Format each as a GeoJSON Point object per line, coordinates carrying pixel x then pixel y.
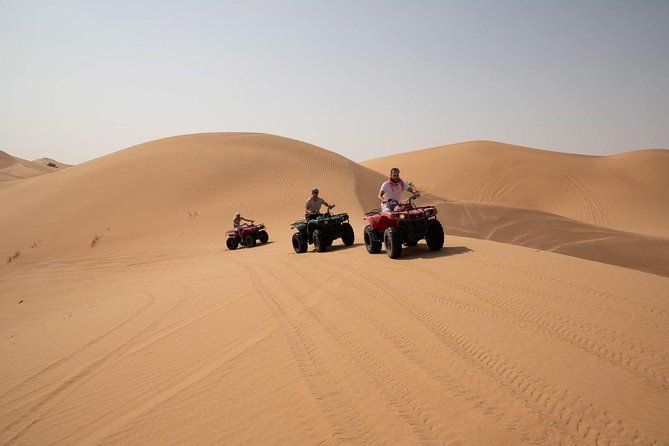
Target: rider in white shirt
{"type": "Point", "coordinates": [391, 191]}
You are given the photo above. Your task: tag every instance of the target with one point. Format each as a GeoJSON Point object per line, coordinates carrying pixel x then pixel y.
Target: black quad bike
{"type": "Point", "coordinates": [321, 230]}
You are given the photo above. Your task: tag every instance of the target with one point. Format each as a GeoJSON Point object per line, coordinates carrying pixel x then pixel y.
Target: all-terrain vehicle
{"type": "Point", "coordinates": [247, 236]}
{"type": "Point", "coordinates": [321, 230]}
{"type": "Point", "coordinates": [406, 225]}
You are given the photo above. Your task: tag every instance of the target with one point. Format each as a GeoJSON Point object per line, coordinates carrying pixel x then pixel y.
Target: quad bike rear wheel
{"type": "Point", "coordinates": [300, 245]}
{"type": "Point", "coordinates": [393, 243]}
{"type": "Point", "coordinates": [435, 236]}
{"type": "Point", "coordinates": [231, 243]}
{"type": "Point", "coordinates": [373, 246]}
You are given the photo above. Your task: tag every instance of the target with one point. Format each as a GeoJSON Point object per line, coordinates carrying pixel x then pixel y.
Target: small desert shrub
{"type": "Point", "coordinates": [95, 240]}
{"type": "Point", "coordinates": [11, 258]}
{"type": "Point", "coordinates": [52, 165]}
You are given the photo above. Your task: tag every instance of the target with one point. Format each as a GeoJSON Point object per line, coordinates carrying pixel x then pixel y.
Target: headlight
{"type": "Point", "coordinates": [403, 216]}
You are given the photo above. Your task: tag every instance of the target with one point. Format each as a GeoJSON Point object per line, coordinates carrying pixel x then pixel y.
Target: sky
{"type": "Point", "coordinates": [367, 78]}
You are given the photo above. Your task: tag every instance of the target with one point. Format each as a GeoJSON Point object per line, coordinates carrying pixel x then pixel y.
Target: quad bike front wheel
{"type": "Point", "coordinates": [263, 237]}
{"type": "Point", "coordinates": [231, 243]}
{"type": "Point", "coordinates": [373, 246]}
{"type": "Point", "coordinates": [320, 241]}
{"type": "Point", "coordinates": [348, 236]}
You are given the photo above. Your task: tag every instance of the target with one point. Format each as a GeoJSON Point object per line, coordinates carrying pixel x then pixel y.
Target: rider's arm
{"type": "Point", "coordinates": [381, 194]}
{"type": "Point", "coordinates": [246, 219]}
{"type": "Point", "coordinates": [412, 190]}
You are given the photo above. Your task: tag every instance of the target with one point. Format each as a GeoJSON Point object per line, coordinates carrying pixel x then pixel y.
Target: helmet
{"type": "Point", "coordinates": [314, 190]}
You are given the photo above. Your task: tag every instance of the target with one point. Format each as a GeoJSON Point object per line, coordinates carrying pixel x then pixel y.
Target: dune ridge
{"type": "Point", "coordinates": [627, 192]}
{"type": "Point", "coordinates": [50, 162]}
{"type": "Point", "coordinates": [550, 232]}
{"type": "Point", "coordinates": [13, 168]}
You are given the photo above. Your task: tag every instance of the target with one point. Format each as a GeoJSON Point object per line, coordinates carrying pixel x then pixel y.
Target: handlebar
{"type": "Point", "coordinates": [407, 201]}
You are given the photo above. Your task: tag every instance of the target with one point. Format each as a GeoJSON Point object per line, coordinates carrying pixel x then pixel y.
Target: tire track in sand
{"type": "Point", "coordinates": [337, 409]}
{"type": "Point", "coordinates": [581, 288]}
{"type": "Point", "coordinates": [556, 406]}
{"type": "Point", "coordinates": [638, 361]}
{"type": "Point", "coordinates": [441, 373]}
{"type": "Point", "coordinates": [401, 398]}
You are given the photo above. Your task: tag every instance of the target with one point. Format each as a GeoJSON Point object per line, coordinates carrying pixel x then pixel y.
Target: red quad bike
{"type": "Point", "coordinates": [247, 236]}
{"type": "Point", "coordinates": [406, 225]}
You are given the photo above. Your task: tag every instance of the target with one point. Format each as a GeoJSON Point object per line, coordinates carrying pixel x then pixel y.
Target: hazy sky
{"type": "Point", "coordinates": [80, 79]}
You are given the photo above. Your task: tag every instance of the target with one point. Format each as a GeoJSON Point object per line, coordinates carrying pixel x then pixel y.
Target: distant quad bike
{"type": "Point", "coordinates": [321, 230]}
{"type": "Point", "coordinates": [406, 225]}
{"type": "Point", "coordinates": [248, 236]}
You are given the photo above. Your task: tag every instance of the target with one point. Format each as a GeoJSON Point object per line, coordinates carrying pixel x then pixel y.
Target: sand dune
{"type": "Point", "coordinates": [13, 168]}
{"type": "Point", "coordinates": [50, 162]}
{"type": "Point", "coordinates": [160, 335]}
{"type": "Point", "coordinates": [628, 192]}
{"type": "Point", "coordinates": [158, 187]}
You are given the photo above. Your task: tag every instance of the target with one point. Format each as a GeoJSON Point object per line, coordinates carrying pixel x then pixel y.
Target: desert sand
{"type": "Point", "coordinates": [125, 320]}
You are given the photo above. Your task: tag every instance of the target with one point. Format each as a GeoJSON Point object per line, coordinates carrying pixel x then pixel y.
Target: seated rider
{"type": "Point", "coordinates": [237, 222]}
{"type": "Point", "coordinates": [391, 191]}
{"type": "Point", "coordinates": [313, 205]}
